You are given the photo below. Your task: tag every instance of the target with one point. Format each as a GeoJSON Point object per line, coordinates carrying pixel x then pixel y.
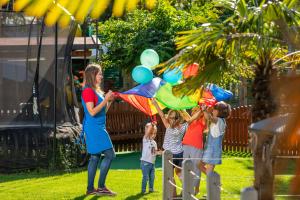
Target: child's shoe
{"type": "Point", "coordinates": [105, 191]}
{"type": "Point", "coordinates": [92, 192]}
{"type": "Point", "coordinates": [151, 190]}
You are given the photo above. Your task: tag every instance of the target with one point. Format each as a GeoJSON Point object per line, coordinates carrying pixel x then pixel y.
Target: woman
{"type": "Point", "coordinates": [98, 142]}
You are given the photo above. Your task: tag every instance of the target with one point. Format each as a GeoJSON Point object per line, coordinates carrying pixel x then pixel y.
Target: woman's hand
{"type": "Point", "coordinates": [109, 96]}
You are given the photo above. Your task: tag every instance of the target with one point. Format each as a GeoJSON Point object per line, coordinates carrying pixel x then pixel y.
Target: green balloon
{"type": "Point", "coordinates": [165, 96]}
{"type": "Point", "coordinates": [149, 58]}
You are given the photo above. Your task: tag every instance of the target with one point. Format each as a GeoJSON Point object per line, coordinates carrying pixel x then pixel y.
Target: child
{"type": "Point", "coordinates": [148, 156]}
{"type": "Point", "coordinates": [193, 141]}
{"type": "Point", "coordinates": [213, 148]}
{"type": "Point", "coordinates": [175, 130]}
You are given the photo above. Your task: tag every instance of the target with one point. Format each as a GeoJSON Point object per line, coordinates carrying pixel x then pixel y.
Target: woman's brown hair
{"type": "Point", "coordinates": [90, 76]}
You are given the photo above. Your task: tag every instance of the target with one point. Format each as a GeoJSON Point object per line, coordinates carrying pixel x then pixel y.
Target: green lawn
{"type": "Point", "coordinates": [124, 178]}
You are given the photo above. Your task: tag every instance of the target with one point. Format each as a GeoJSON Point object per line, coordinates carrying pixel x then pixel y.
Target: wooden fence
{"type": "Point", "coordinates": [126, 127]}
{"type": "Point", "coordinates": [236, 135]}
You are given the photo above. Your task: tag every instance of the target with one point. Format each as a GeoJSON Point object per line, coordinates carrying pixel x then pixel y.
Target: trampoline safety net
{"type": "Point", "coordinates": [27, 73]}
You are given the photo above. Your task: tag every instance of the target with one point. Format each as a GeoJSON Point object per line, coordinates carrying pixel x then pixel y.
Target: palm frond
{"type": "Point", "coordinates": [63, 11]}
{"type": "Point", "coordinates": [242, 40]}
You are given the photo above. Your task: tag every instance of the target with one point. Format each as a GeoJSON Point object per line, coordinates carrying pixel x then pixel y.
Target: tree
{"type": "Point", "coordinates": [254, 37]}
{"type": "Point", "coordinates": [127, 37]}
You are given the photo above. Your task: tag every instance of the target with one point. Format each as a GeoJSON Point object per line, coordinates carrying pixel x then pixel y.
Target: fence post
{"type": "Point", "coordinates": [249, 193]}
{"type": "Point", "coordinates": [188, 188]}
{"type": "Point", "coordinates": [167, 175]}
{"type": "Point", "coordinates": [213, 186]}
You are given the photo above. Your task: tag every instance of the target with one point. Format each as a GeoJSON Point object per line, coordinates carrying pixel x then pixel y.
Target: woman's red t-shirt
{"type": "Point", "coordinates": [194, 134]}
{"type": "Point", "coordinates": [89, 95]}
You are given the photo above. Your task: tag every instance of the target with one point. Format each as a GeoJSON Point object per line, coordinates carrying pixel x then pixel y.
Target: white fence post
{"type": "Point", "coordinates": [213, 186]}
{"type": "Point", "coordinates": [249, 193]}
{"type": "Point", "coordinates": [188, 188]}
{"type": "Point", "coordinates": [168, 174]}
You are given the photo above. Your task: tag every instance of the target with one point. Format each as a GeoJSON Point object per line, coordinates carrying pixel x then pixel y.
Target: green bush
{"type": "Point", "coordinates": [126, 38]}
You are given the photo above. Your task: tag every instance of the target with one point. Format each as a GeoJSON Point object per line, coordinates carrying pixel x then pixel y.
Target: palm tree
{"type": "Point", "coordinates": [256, 36]}
{"type": "Point", "coordinates": [64, 11]}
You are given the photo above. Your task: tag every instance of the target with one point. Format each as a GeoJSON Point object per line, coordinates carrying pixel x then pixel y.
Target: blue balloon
{"type": "Point", "coordinates": [219, 93]}
{"type": "Point", "coordinates": [172, 76]}
{"type": "Point", "coordinates": [142, 74]}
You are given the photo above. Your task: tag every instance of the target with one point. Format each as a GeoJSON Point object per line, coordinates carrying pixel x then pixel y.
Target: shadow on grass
{"type": "Point", "coordinates": [131, 161]}
{"type": "Point", "coordinates": [132, 197]}
{"type": "Point", "coordinates": [136, 196]}
{"type": "Point", "coordinates": [85, 196]}
{"type": "Point", "coordinates": [41, 173]}
{"type": "Point", "coordinates": [127, 160]}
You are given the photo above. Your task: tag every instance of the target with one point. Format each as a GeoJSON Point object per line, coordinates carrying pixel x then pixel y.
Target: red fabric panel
{"type": "Point", "coordinates": [139, 102]}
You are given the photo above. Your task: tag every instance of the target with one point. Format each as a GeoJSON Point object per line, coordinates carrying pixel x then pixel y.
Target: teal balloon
{"type": "Point", "coordinates": [142, 74]}
{"type": "Point", "coordinates": [172, 76]}
{"type": "Point", "coordinates": [149, 58]}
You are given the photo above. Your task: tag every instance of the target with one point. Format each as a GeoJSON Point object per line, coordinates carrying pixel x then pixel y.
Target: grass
{"type": "Point", "coordinates": [124, 178]}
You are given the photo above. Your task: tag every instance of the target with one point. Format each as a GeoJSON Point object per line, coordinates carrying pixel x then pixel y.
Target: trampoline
{"type": "Point", "coordinates": [37, 95]}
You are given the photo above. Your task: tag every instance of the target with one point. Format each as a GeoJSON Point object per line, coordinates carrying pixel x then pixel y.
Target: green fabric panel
{"type": "Point", "coordinates": [165, 96]}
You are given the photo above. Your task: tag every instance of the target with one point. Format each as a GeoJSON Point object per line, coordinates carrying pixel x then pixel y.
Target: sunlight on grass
{"type": "Point", "coordinates": [125, 179]}
{"type": "Point", "coordinates": [126, 183]}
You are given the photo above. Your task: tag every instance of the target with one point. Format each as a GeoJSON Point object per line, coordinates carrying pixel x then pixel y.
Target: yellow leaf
{"type": "Point", "coordinates": [150, 4]}
{"type": "Point", "coordinates": [131, 4]}
{"type": "Point", "coordinates": [84, 10]}
{"type": "Point", "coordinates": [38, 8]}
{"type": "Point", "coordinates": [196, 96]}
{"type": "Point", "coordinates": [3, 2]}
{"type": "Point", "coordinates": [118, 9]}
{"type": "Point", "coordinates": [99, 8]}
{"type": "Point", "coordinates": [55, 12]}
{"type": "Point", "coordinates": [20, 4]}
{"type": "Point", "coordinates": [72, 6]}
{"type": "Point", "coordinates": [78, 31]}
{"type": "Point", "coordinates": [65, 19]}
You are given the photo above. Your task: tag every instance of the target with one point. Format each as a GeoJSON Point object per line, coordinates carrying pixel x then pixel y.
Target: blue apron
{"type": "Point", "coordinates": [96, 136]}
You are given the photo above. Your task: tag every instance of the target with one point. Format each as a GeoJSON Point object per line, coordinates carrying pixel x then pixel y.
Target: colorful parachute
{"type": "Point", "coordinates": [165, 96]}
{"type": "Point", "coordinates": [140, 95]}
